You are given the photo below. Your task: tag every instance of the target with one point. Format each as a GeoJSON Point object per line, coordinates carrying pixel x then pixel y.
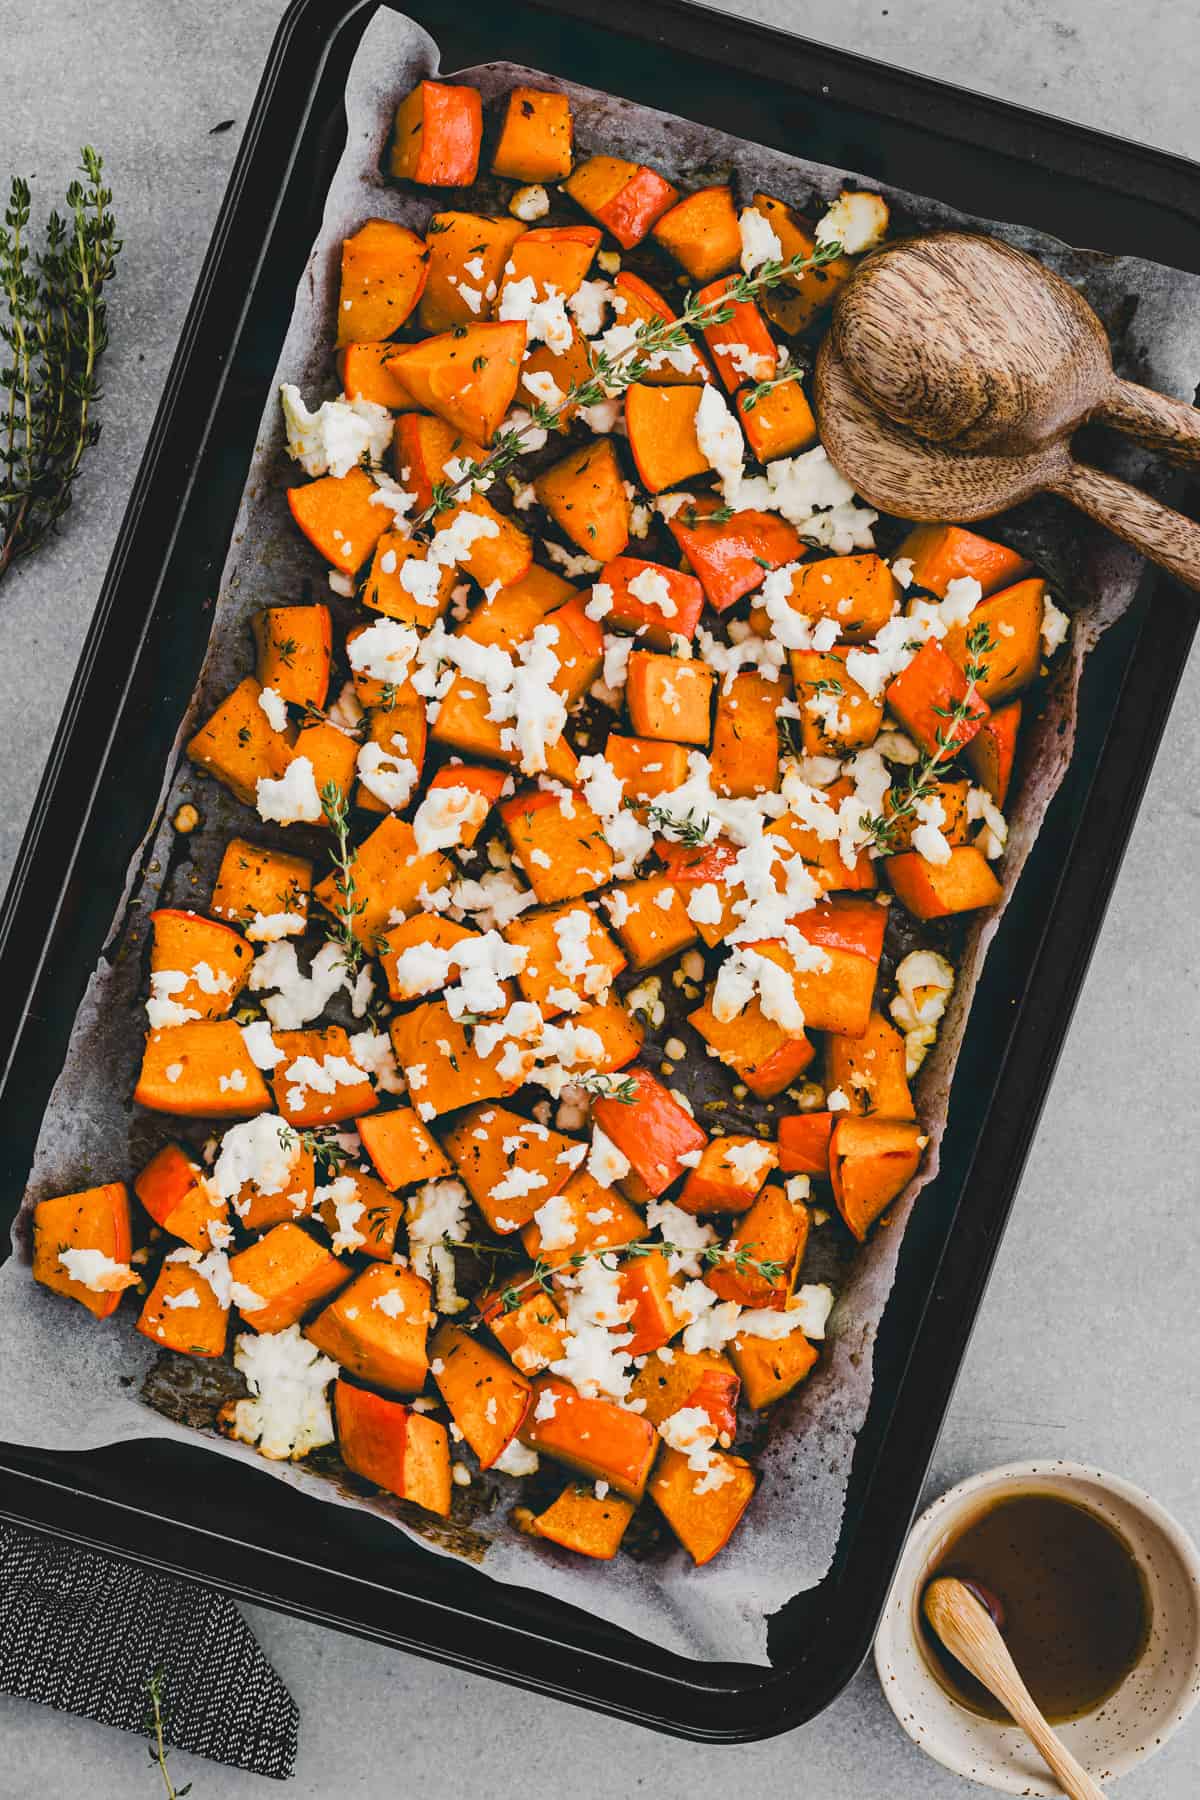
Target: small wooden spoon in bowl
{"type": "Point", "coordinates": [968, 1631]}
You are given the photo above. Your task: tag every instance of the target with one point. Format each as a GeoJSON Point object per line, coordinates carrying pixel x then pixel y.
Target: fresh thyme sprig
{"type": "Point", "coordinates": [349, 907]}
{"type": "Point", "coordinates": [607, 1087]}
{"type": "Point", "coordinates": [613, 371]}
{"type": "Point", "coordinates": [55, 333]}
{"type": "Point", "coordinates": [924, 775]}
{"type": "Point", "coordinates": [322, 1144]}
{"type": "Point", "coordinates": [690, 830]}
{"type": "Point", "coordinates": [750, 398]}
{"type": "Point", "coordinates": [154, 1724]}
{"type": "Point", "coordinates": [542, 1273]}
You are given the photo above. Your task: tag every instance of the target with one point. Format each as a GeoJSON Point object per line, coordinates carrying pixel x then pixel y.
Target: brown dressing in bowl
{"type": "Point", "coordinates": [1076, 1615]}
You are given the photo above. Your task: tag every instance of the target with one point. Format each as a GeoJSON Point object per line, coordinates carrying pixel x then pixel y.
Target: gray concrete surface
{"type": "Point", "coordinates": [1086, 1346]}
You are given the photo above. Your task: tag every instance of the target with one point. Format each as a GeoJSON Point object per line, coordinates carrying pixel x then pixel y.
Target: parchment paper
{"type": "Point", "coordinates": [70, 1384]}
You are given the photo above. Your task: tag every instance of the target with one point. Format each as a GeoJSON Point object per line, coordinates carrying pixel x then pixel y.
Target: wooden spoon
{"type": "Point", "coordinates": [966, 1628]}
{"type": "Point", "coordinates": [900, 472]}
{"type": "Point", "coordinates": [971, 342]}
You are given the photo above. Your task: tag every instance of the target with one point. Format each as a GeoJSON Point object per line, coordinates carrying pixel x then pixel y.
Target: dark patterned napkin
{"type": "Point", "coordinates": [86, 1633]}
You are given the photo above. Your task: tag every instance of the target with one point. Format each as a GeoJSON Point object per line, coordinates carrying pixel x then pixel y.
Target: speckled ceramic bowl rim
{"type": "Point", "coordinates": [922, 1705]}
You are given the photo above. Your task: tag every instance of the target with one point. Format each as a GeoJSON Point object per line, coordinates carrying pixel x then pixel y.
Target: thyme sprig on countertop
{"type": "Point", "coordinates": [54, 333]}
{"type": "Point", "coordinates": [614, 371]}
{"type": "Point", "coordinates": [924, 775]}
{"type": "Point", "coordinates": [154, 1725]}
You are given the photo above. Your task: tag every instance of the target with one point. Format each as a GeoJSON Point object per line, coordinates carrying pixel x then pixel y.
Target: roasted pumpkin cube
{"type": "Point", "coordinates": [196, 964]}
{"type": "Point", "coordinates": [668, 698]}
{"type": "Point", "coordinates": [619, 1037]}
{"type": "Point", "coordinates": [729, 1175]}
{"type": "Point", "coordinates": [739, 343]}
{"type": "Point", "coordinates": [771, 1367]}
{"type": "Point", "coordinates": [200, 1070]}
{"type": "Point", "coordinates": [410, 970]}
{"type": "Point", "coordinates": [951, 796]}
{"type": "Point", "coordinates": [764, 1253]}
{"type": "Point", "coordinates": [732, 555]}
{"type": "Point", "coordinates": [525, 1322]}
{"type": "Point", "coordinates": [702, 1513]}
{"type": "Point", "coordinates": [317, 1082]}
{"type": "Point", "coordinates": [744, 758]}
{"type": "Point", "coordinates": [585, 496]}
{"type": "Point", "coordinates": [376, 1328]}
{"type": "Point", "coordinates": [804, 1144]}
{"type": "Point", "coordinates": [424, 447]}
{"type": "Point", "coordinates": [401, 1149]}
{"type": "Point", "coordinates": [462, 797]}
{"type": "Point", "coordinates": [553, 256]}
{"type": "Point", "coordinates": [283, 1275]}
{"type": "Point", "coordinates": [652, 1130]}
{"type": "Point", "coordinates": [837, 715]}
{"type": "Point", "coordinates": [560, 844]}
{"type": "Point", "coordinates": [685, 1378]}
{"type": "Point", "coordinates": [822, 855]}
{"type": "Point", "coordinates": [259, 1207]}
{"type": "Point", "coordinates": [467, 254]}
{"type": "Point", "coordinates": [578, 643]}
{"type": "Point", "coordinates": [590, 1218]}
{"type": "Point", "coordinates": [600, 1439]}
{"type": "Point", "coordinates": [509, 1164]}
{"type": "Point", "coordinates": [535, 136]}
{"type": "Point", "coordinates": [694, 866]}
{"type": "Point", "coordinates": [437, 135]}
{"type": "Point", "coordinates": [567, 368]}
{"type": "Point", "coordinates": [383, 273]}
{"type": "Point", "coordinates": [440, 1064]}
{"type": "Point", "coordinates": [859, 593]}
{"type": "Point", "coordinates": [463, 723]}
{"type": "Point", "coordinates": [760, 1052]}
{"type": "Point", "coordinates": [570, 958]}
{"type": "Point", "coordinates": [389, 774]}
{"type": "Point", "coordinates": [1003, 637]}
{"type": "Point", "coordinates": [934, 702]}
{"type": "Point", "coordinates": [870, 1161]}
{"type": "Point", "coordinates": [238, 746]}
{"type": "Point", "coordinates": [183, 1313]}
{"type": "Point", "coordinates": [702, 233]}
{"type": "Point", "coordinates": [660, 423]}
{"type": "Point", "coordinates": [467, 376]}
{"type": "Point", "coordinates": [387, 1443]}
{"type": "Point", "coordinates": [364, 377]}
{"type": "Point", "coordinates": [579, 1521]}
{"type": "Point", "coordinates": [504, 556]}
{"type": "Point", "coordinates": [625, 197]}
{"type": "Point", "coordinates": [294, 647]}
{"type": "Point", "coordinates": [934, 890]}
{"type": "Point", "coordinates": [636, 303]}
{"type": "Point", "coordinates": [386, 590]}
{"type": "Point", "coordinates": [651, 920]}
{"type": "Point", "coordinates": [646, 1283]}
{"type": "Point", "coordinates": [655, 602]}
{"type": "Point", "coordinates": [799, 299]}
{"type": "Point", "coordinates": [264, 891]}
{"type": "Point", "coordinates": [360, 1213]}
{"type": "Point", "coordinates": [992, 752]}
{"type": "Point", "coordinates": [869, 1071]}
{"type": "Point", "coordinates": [940, 554]}
{"type": "Point", "coordinates": [72, 1231]}
{"type": "Point", "coordinates": [487, 1397]}
{"type": "Point", "coordinates": [330, 754]}
{"type": "Point", "coordinates": [389, 873]}
{"type": "Point", "coordinates": [175, 1193]}
{"type": "Point", "coordinates": [337, 515]}
{"type": "Point", "coordinates": [779, 422]}
{"type": "Point", "coordinates": [646, 767]}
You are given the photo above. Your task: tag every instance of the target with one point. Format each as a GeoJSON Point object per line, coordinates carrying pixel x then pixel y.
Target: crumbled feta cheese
{"type": "Point", "coordinates": [1055, 626]}
{"type": "Point", "coordinates": [529, 203]}
{"type": "Point", "coordinates": [760, 242]}
{"type": "Point", "coordinates": [288, 1412]}
{"type": "Point", "coordinates": [855, 221]}
{"type": "Point", "coordinates": [274, 705]}
{"type": "Point", "coordinates": [96, 1271]}
{"type": "Point", "coordinates": [293, 798]}
{"type": "Point", "coordinates": [338, 436]}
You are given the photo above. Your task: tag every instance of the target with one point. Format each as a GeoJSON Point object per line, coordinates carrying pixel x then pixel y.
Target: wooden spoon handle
{"type": "Point", "coordinates": [1159, 533]}
{"type": "Point", "coordinates": [1153, 419]}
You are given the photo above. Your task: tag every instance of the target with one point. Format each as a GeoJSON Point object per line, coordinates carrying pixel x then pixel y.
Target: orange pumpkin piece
{"type": "Point", "coordinates": [505, 556]}
{"type": "Point", "coordinates": [383, 273]}
{"type": "Point", "coordinates": [487, 1397]}
{"type": "Point", "coordinates": [772, 1367]}
{"type": "Point", "coordinates": [400, 732]}
{"type": "Point", "coordinates": [376, 1328]}
{"type": "Point", "coordinates": [732, 556]}
{"type": "Point", "coordinates": [578, 1521]}
{"type": "Point", "coordinates": [585, 496]}
{"type": "Point", "coordinates": [661, 426]}
{"type": "Point", "coordinates": [822, 856]}
{"type": "Point", "coordinates": [650, 919]}
{"type": "Point", "coordinates": [954, 824]}
{"type": "Point", "coordinates": [385, 591]}
{"type": "Point", "coordinates": [535, 137]}
{"type": "Point", "coordinates": [363, 375]}
{"type": "Point", "coordinates": [258, 1208]}
{"type": "Point", "coordinates": [173, 1190]}
{"type": "Point", "coordinates": [773, 1232]}
{"type": "Point", "coordinates": [702, 1516]}
{"type": "Point", "coordinates": [387, 1443]}
{"type": "Point", "coordinates": [991, 753]}
{"type": "Point", "coordinates": [467, 254]}
{"type": "Point", "coordinates": [1011, 652]}
{"type": "Point", "coordinates": [467, 376]}
{"type": "Point", "coordinates": [213, 959]}
{"type": "Point", "coordinates": [934, 890]}
{"type": "Point", "coordinates": [646, 767]}
{"type": "Point", "coordinates": [506, 620]}
{"type": "Point", "coordinates": [95, 1219]}
{"type": "Point", "coordinates": [423, 930]}
{"type": "Point", "coordinates": [684, 1378]}
{"type": "Point", "coordinates": [741, 347]}
{"type": "Point", "coordinates": [182, 1313]}
{"type": "Point", "coordinates": [600, 1439]}
{"type": "Point", "coordinates": [554, 257]}
{"type": "Point", "coordinates": [870, 1161]}
{"type": "Point", "coordinates": [509, 1164]}
{"type": "Point", "coordinates": [200, 1070]}
{"type": "Point", "coordinates": [547, 935]}
{"type": "Point", "coordinates": [437, 135]}
{"type": "Point", "coordinates": [637, 303]}
{"type": "Point", "coordinates": [802, 298]}
{"type": "Point", "coordinates": [238, 746]}
{"type": "Point", "coordinates": [401, 1149]}
{"type": "Point", "coordinates": [760, 1052]}
{"type": "Point", "coordinates": [779, 422]}
{"type": "Point", "coordinates": [859, 593]}
{"type": "Point", "coordinates": [422, 448]}
{"type": "Point", "coordinates": [744, 758]}
{"type": "Point", "coordinates": [317, 1081]}
{"type": "Point", "coordinates": [620, 1036]}
{"type": "Point", "coordinates": [702, 233]}
{"type": "Point", "coordinates": [389, 874]}
{"type": "Point", "coordinates": [625, 197]}
{"type": "Point", "coordinates": [646, 1282]}
{"type": "Point", "coordinates": [940, 554]}
{"type": "Point", "coordinates": [669, 698]}
{"type": "Point", "coordinates": [561, 847]}
{"type": "Point", "coordinates": [464, 725]}
{"type": "Point", "coordinates": [331, 755]}
{"type": "Point", "coordinates": [652, 1130]}
{"type": "Point", "coordinates": [532, 1331]}
{"type": "Point", "coordinates": [282, 1276]}
{"type": "Point", "coordinates": [804, 1144]}
{"type": "Point", "coordinates": [477, 784]}
{"type": "Point", "coordinates": [294, 648]}
{"type": "Point", "coordinates": [598, 1218]}
{"type": "Point", "coordinates": [567, 369]}
{"type": "Point", "coordinates": [337, 516]}
{"type": "Point", "coordinates": [837, 716]}
{"type": "Point", "coordinates": [729, 1175]}
{"type": "Point", "coordinates": [924, 695]}
{"type": "Point", "coordinates": [255, 884]}
{"type": "Point", "coordinates": [870, 1071]}
{"type": "Point", "coordinates": [451, 1071]}
{"type": "Point", "coordinates": [668, 606]}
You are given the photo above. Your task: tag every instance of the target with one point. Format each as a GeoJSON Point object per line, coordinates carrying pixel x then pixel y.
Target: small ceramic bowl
{"type": "Point", "coordinates": [1150, 1704]}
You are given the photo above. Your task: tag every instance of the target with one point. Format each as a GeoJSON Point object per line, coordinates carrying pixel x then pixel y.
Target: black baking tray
{"type": "Point", "coordinates": [213, 1519]}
